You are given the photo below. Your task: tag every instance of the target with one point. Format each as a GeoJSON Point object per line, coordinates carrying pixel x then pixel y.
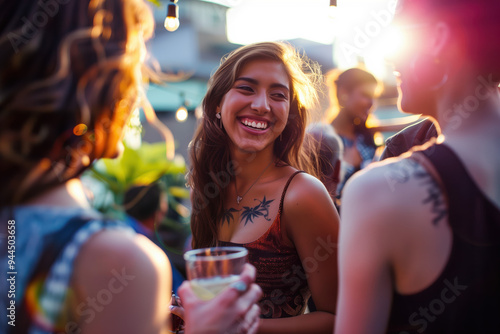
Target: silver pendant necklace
{"type": "Point", "coordinates": [240, 198]}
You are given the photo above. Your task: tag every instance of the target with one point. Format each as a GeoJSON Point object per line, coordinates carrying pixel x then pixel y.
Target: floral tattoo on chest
{"type": "Point", "coordinates": [249, 214]}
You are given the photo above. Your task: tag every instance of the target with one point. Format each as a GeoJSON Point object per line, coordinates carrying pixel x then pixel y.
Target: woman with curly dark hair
{"type": "Point", "coordinates": [71, 75]}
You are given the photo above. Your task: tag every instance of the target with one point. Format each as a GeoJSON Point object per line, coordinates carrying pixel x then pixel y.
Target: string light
{"type": "Point", "coordinates": [172, 19]}
{"type": "Point", "coordinates": [181, 114]}
{"type": "Point", "coordinates": [332, 12]}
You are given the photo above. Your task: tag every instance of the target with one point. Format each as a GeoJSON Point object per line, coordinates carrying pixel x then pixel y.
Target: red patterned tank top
{"type": "Point", "coordinates": [279, 270]}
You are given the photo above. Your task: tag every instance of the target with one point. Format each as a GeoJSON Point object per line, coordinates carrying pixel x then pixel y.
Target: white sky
{"type": "Point", "coordinates": [358, 27]}
{"type": "Point", "coordinates": [258, 20]}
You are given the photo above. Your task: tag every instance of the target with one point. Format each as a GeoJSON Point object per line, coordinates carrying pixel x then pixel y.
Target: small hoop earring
{"type": "Point", "coordinates": [281, 136]}
{"type": "Point", "coordinates": [218, 116]}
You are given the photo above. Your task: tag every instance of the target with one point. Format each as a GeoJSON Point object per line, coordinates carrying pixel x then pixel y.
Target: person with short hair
{"type": "Point", "coordinates": [352, 93]}
{"type": "Point", "coordinates": [146, 207]}
{"type": "Point", "coordinates": [327, 148]}
{"type": "Point", "coordinates": [422, 253]}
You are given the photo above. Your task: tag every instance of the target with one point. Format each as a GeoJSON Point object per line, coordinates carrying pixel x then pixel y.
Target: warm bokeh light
{"type": "Point", "coordinates": [85, 160]}
{"type": "Point", "coordinates": [378, 138]}
{"type": "Point", "coordinates": [181, 114]}
{"type": "Point", "coordinates": [389, 46]}
{"type": "Point", "coordinates": [80, 129]}
{"type": "Point", "coordinates": [392, 43]}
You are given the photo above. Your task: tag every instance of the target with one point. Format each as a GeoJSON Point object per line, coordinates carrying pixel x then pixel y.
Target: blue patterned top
{"type": "Point", "coordinates": [33, 224]}
{"type": "Point", "coordinates": [367, 152]}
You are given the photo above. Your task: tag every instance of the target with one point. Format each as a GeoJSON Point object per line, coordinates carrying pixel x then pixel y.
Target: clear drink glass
{"type": "Point", "coordinates": [210, 270]}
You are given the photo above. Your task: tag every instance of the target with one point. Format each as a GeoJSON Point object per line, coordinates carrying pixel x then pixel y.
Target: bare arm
{"type": "Point", "coordinates": [393, 237]}
{"type": "Point", "coordinates": [311, 222]}
{"type": "Point", "coordinates": [365, 283]}
{"type": "Point", "coordinates": [123, 285]}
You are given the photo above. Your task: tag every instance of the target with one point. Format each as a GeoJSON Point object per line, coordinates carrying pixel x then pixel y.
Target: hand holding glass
{"type": "Point", "coordinates": [210, 270]}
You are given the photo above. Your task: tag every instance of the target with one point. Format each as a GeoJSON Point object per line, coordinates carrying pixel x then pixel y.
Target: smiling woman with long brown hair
{"type": "Point", "coordinates": [248, 189]}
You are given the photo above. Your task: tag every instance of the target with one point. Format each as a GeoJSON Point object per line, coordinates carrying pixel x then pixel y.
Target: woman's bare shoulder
{"type": "Point", "coordinates": [304, 185]}
{"type": "Point", "coordinates": [308, 200]}
{"type": "Point", "coordinates": [115, 246]}
{"type": "Point", "coordinates": [391, 178]}
{"type": "Point", "coordinates": [395, 190]}
{"type": "Point", "coordinates": [132, 272]}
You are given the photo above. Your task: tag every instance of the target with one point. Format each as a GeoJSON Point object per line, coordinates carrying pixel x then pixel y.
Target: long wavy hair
{"type": "Point", "coordinates": [211, 167]}
{"type": "Point", "coordinates": [71, 75]}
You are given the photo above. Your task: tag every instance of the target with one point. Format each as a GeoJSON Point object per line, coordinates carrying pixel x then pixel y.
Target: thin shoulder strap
{"type": "Point", "coordinates": [285, 189]}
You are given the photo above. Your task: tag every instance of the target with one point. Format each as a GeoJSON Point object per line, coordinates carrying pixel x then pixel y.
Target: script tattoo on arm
{"type": "Point", "coordinates": [403, 171]}
{"type": "Point", "coordinates": [434, 195]}
{"type": "Point", "coordinates": [261, 209]}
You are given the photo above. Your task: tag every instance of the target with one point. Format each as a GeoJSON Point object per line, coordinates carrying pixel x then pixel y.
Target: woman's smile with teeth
{"type": "Point", "coordinates": [255, 124]}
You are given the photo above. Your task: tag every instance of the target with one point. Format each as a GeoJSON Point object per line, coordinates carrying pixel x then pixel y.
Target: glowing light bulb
{"type": "Point", "coordinates": [333, 12]}
{"type": "Point", "coordinates": [171, 23]}
{"type": "Point", "coordinates": [172, 20]}
{"type": "Point", "coordinates": [182, 114]}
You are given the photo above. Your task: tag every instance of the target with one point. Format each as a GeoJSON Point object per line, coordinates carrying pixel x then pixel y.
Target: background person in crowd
{"type": "Point", "coordinates": [352, 93]}
{"type": "Point", "coordinates": [67, 88]}
{"type": "Point", "coordinates": [423, 253]}
{"type": "Point", "coordinates": [327, 148]}
{"type": "Point", "coordinates": [146, 207]}
{"type": "Point", "coordinates": [248, 189]}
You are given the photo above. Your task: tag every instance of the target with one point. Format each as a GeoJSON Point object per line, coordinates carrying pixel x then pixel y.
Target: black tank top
{"type": "Point", "coordinates": [466, 296]}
